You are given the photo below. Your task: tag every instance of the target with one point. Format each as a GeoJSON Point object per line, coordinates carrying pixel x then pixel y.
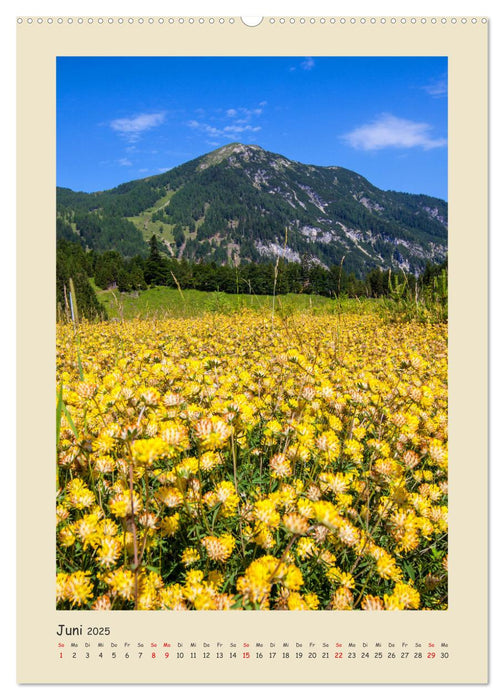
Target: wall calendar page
{"type": "Point", "coordinates": [261, 445]}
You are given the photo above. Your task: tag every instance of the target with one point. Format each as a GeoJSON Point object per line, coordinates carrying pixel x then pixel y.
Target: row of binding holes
{"type": "Point", "coordinates": [130, 20]}
{"type": "Point", "coordinates": [373, 20]}
{"type": "Point", "coordinates": [230, 20]}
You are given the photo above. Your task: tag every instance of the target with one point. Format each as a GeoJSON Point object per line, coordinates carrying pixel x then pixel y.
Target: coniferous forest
{"type": "Point", "coordinates": [111, 270]}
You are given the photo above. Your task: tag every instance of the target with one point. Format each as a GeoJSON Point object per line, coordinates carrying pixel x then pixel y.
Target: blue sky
{"type": "Point", "coordinates": [119, 119]}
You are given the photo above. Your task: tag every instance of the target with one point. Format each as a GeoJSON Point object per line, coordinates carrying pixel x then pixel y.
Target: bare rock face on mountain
{"type": "Point", "coordinates": [242, 203]}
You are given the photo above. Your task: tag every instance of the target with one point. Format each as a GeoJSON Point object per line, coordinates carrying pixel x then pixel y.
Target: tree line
{"type": "Point", "coordinates": [111, 270]}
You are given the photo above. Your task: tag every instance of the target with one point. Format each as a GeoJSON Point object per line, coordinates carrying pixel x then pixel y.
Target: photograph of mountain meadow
{"type": "Point", "coordinates": [252, 333]}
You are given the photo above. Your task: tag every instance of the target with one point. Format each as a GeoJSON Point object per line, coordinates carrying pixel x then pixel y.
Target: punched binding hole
{"type": "Point", "coordinates": [251, 21]}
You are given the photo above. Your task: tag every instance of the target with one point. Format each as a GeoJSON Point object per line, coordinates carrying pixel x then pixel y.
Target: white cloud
{"type": "Point", "coordinates": [238, 129]}
{"type": "Point", "coordinates": [307, 64]}
{"type": "Point", "coordinates": [228, 130]}
{"type": "Point", "coordinates": [124, 162]}
{"type": "Point", "coordinates": [437, 88]}
{"type": "Point", "coordinates": [244, 113]}
{"type": "Point", "coordinates": [388, 131]}
{"type": "Point", "coordinates": [206, 128]}
{"type": "Point", "coordinates": [131, 128]}
{"type": "Point", "coordinates": [235, 122]}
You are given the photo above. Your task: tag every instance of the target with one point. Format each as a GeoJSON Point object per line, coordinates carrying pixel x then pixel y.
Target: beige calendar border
{"type": "Point", "coordinates": [464, 625]}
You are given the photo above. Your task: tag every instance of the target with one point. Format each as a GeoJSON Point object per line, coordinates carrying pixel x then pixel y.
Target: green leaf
{"type": "Point", "coordinates": [59, 409]}
{"type": "Point", "coordinates": [69, 419]}
{"type": "Point", "coordinates": [79, 362]}
{"type": "Point", "coordinates": [409, 570]}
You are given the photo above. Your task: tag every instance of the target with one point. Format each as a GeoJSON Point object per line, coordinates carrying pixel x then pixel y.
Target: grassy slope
{"type": "Point", "coordinates": [159, 302]}
{"type": "Point", "coordinates": [144, 223]}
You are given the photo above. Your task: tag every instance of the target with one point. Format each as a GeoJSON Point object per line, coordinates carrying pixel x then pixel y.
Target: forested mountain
{"type": "Point", "coordinates": [242, 204]}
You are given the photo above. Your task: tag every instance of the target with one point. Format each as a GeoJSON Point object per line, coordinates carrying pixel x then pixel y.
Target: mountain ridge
{"type": "Point", "coordinates": [243, 203]}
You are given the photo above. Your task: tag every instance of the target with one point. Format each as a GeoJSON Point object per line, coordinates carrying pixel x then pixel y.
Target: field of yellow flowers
{"type": "Point", "coordinates": [247, 462]}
